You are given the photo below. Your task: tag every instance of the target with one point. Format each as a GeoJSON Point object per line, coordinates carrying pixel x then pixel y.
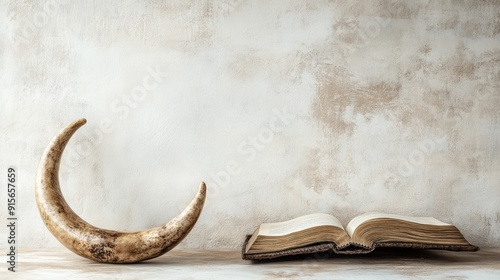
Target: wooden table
{"type": "Point", "coordinates": [201, 264]}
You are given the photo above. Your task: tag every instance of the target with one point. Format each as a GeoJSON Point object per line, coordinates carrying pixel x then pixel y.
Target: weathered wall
{"type": "Point", "coordinates": [283, 108]}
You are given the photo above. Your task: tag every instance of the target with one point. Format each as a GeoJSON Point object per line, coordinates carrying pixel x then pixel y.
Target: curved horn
{"type": "Point", "coordinates": [100, 244]}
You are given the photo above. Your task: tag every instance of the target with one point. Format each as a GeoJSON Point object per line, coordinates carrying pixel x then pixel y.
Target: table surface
{"type": "Point", "coordinates": [206, 264]}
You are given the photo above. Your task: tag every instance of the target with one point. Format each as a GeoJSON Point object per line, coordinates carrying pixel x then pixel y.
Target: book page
{"type": "Point", "coordinates": [354, 223]}
{"type": "Point", "coordinates": [298, 224]}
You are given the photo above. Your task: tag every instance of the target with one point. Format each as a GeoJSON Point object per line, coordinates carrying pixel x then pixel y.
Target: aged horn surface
{"type": "Point", "coordinates": [97, 244]}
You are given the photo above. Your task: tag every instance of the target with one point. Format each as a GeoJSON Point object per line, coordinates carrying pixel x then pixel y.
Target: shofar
{"type": "Point", "coordinates": [100, 244]}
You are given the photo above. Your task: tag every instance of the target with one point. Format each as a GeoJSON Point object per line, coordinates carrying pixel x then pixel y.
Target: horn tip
{"type": "Point", "coordinates": [203, 187]}
{"type": "Point", "coordinates": [79, 122]}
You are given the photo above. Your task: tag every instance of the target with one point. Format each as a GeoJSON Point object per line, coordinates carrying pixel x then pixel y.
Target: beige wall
{"type": "Point", "coordinates": [283, 107]}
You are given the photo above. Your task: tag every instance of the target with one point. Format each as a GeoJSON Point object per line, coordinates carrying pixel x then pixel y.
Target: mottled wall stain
{"type": "Point", "coordinates": [336, 95]}
{"type": "Point", "coordinates": [247, 65]}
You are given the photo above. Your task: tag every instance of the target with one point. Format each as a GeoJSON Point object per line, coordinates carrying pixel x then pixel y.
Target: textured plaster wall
{"type": "Point", "coordinates": [284, 108]}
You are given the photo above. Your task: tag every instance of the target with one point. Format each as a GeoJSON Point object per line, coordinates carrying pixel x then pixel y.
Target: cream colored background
{"type": "Point", "coordinates": [389, 106]}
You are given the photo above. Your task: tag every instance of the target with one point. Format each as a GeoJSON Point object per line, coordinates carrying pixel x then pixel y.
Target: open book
{"type": "Point", "coordinates": [323, 232]}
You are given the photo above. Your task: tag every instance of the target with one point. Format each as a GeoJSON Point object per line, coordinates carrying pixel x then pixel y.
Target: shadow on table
{"type": "Point", "coordinates": [389, 255]}
{"type": "Point", "coordinates": [380, 256]}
